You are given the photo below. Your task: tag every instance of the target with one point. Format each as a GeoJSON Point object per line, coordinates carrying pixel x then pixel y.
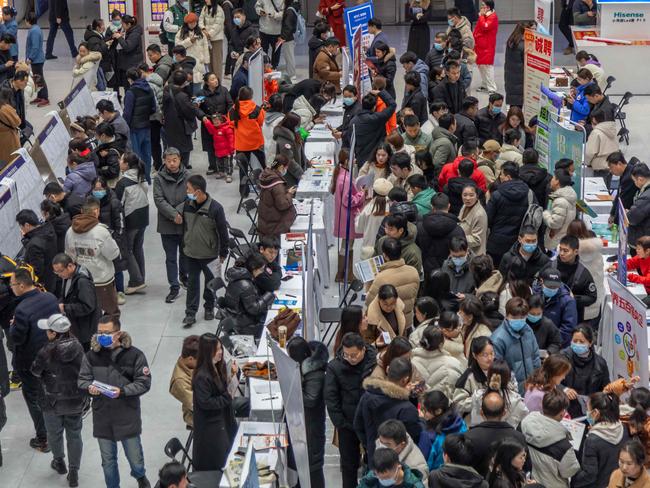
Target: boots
{"type": "Point", "coordinates": [340, 273]}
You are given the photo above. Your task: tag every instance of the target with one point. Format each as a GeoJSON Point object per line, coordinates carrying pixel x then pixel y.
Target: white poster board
{"type": "Point", "coordinates": [10, 242]}
{"type": "Point", "coordinates": [544, 16]}
{"type": "Point", "coordinates": [625, 20]}
{"type": "Point", "coordinates": [53, 140]}
{"type": "Point", "coordinates": [538, 56]}
{"type": "Point", "coordinates": [256, 76]}
{"type": "Point", "coordinates": [291, 386]}
{"type": "Point", "coordinates": [79, 101]}
{"type": "Point", "coordinates": [28, 180]}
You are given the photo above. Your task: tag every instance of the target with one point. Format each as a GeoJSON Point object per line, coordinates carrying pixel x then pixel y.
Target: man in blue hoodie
{"type": "Point", "coordinates": [559, 304]}
{"type": "Point", "coordinates": [35, 57]}
{"type": "Point", "coordinates": [139, 106]}
{"type": "Point", "coordinates": [410, 62]}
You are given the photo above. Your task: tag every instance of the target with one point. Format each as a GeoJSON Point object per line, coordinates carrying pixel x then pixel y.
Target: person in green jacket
{"type": "Point", "coordinates": [398, 227]}
{"type": "Point", "coordinates": [388, 471]}
{"type": "Point", "coordinates": [413, 135]}
{"type": "Point", "coordinates": [422, 193]}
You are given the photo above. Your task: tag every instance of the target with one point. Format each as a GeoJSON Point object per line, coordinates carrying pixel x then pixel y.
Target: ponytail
{"type": "Point", "coordinates": [134, 162]}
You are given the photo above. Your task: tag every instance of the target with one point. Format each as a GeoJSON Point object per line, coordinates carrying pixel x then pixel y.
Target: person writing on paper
{"type": "Point", "coordinates": [114, 361]}
{"type": "Point", "coordinates": [276, 212]}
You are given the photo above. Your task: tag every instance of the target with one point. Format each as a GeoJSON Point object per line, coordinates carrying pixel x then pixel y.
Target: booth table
{"type": "Point", "coordinates": [319, 233]}
{"type": "Point", "coordinates": [265, 396]}
{"type": "Point", "coordinates": [598, 198]}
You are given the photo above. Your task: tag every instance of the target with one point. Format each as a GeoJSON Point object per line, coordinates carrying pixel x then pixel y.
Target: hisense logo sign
{"type": "Point", "coordinates": [629, 15]}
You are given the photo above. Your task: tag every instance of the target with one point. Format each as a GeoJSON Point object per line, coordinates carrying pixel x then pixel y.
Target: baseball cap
{"type": "Point", "coordinates": [56, 323]}
{"type": "Point", "coordinates": [491, 145]}
{"type": "Point", "coordinates": [551, 278]}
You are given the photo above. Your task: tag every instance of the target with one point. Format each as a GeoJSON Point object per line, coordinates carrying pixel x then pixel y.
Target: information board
{"type": "Point", "coordinates": [357, 16]}
{"type": "Point", "coordinates": [625, 20]}
{"type": "Point", "coordinates": [79, 101]}
{"type": "Point", "coordinates": [29, 182]}
{"type": "Point", "coordinates": [566, 142]}
{"type": "Point", "coordinates": [538, 55]}
{"type": "Point", "coordinates": [10, 242]}
{"type": "Point", "coordinates": [53, 141]}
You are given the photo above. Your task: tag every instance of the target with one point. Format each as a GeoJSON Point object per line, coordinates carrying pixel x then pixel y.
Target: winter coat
{"type": "Point", "coordinates": [164, 67]}
{"type": "Point", "coordinates": [248, 129]}
{"type": "Point", "coordinates": [312, 371]}
{"type": "Point", "coordinates": [131, 52]}
{"type": "Point", "coordinates": [169, 196]}
{"type": "Point", "coordinates": [516, 411]}
{"type": "Point", "coordinates": [537, 179]}
{"type": "Point", "coordinates": [217, 102]}
{"type": "Point", "coordinates": [514, 74]}
{"type": "Point", "coordinates": [559, 216]}
{"type": "Point", "coordinates": [411, 253]}
{"type": "Point", "coordinates": [452, 475]}
{"type": "Point", "coordinates": [465, 29]}
{"type": "Point", "coordinates": [387, 67]}
{"type": "Point", "coordinates": [27, 337]}
{"type": "Point", "coordinates": [509, 153]}
{"type": "Point", "coordinates": [179, 118]}
{"type": "Point", "coordinates": [600, 455]}
{"type": "Point", "coordinates": [547, 335]}
{"type": "Point", "coordinates": [485, 37]}
{"type": "Point", "coordinates": [341, 202]}
{"type": "Point", "coordinates": [462, 280]}
{"type": "Point", "coordinates": [9, 135]}
{"type": "Point", "coordinates": [377, 319]}
{"type": "Point", "coordinates": [271, 121]}
{"type": "Point", "coordinates": [90, 244]}
{"type": "Point", "coordinates": [423, 200]}
{"type": "Point", "coordinates": [80, 305]}
{"type": "Point", "coordinates": [474, 223]}
{"type": "Point", "coordinates": [454, 190]}
{"type": "Point", "coordinates": [518, 349]}
{"type": "Point", "coordinates": [60, 224]}
{"type": "Point", "coordinates": [587, 375]}
{"type": "Point", "coordinates": [34, 46]}
{"type": "Point", "coordinates": [180, 386]}
{"type": "Point", "coordinates": [126, 368]}
{"type": "Point", "coordinates": [401, 182]}
{"type": "Point", "coordinates": [315, 44]}
{"type": "Point", "coordinates": [205, 230]}
{"type": "Point", "coordinates": [562, 311]}
{"type": "Point", "coordinates": [439, 369]}
{"type": "Point", "coordinates": [492, 284]}
{"type": "Point", "coordinates": [452, 94]}
{"type": "Point", "coordinates": [108, 166]}
{"type": "Point", "coordinates": [285, 144]}
{"type": "Point", "coordinates": [443, 148]}
{"type": "Point", "coordinates": [549, 444]}
{"type": "Point", "coordinates": [465, 128]}
{"type": "Point", "coordinates": [243, 300]}
{"type": "Point", "coordinates": [57, 364]}
{"type": "Point", "coordinates": [276, 212]}
{"type": "Point", "coordinates": [139, 105]}
{"type": "Point", "coordinates": [626, 190]}
{"type": "Point", "coordinates": [488, 123]}
{"type": "Point", "coordinates": [405, 278]}
{"type": "Point", "coordinates": [199, 50]}
{"type": "Point", "coordinates": [533, 265]}
{"type": "Point", "coordinates": [334, 18]}
{"type": "Point", "coordinates": [434, 235]}
{"type": "Point", "coordinates": [602, 142]}
{"type": "Point", "coordinates": [307, 113]}
{"type": "Point", "coordinates": [505, 210]}
{"type": "Point", "coordinates": [618, 480]}
{"type": "Point", "coordinates": [289, 22]}
{"type": "Point", "coordinates": [485, 437]}
{"type": "Point", "coordinates": [368, 225]}
{"type": "Point", "coordinates": [412, 479]}
{"type": "Point", "coordinates": [79, 180]}
{"type": "Point", "coordinates": [450, 170]}
{"type": "Point", "coordinates": [132, 193]}
{"type": "Point", "coordinates": [84, 65]}
{"type": "Point", "coordinates": [639, 215]}
{"type": "Point", "coordinates": [327, 69]}
{"type": "Point", "coordinates": [383, 400]}
{"type": "Point", "coordinates": [592, 259]}
{"type": "Point", "coordinates": [369, 126]}
{"type": "Point", "coordinates": [580, 282]}
{"type": "Point", "coordinates": [431, 441]}
{"type": "Point", "coordinates": [38, 251]}
{"type": "Point", "coordinates": [417, 102]}
{"type": "Point", "coordinates": [580, 17]}
{"type": "Point", "coordinates": [239, 34]}
{"type": "Point", "coordinates": [270, 23]}
{"type": "Point", "coordinates": [213, 24]}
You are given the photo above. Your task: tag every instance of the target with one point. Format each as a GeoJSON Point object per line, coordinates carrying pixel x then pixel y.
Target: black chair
{"type": "Point", "coordinates": [332, 316]}
{"type": "Point", "coordinates": [250, 207]}
{"type": "Point", "coordinates": [610, 80]}
{"type": "Point", "coordinates": [250, 179]}
{"type": "Point", "coordinates": [624, 135]}
{"type": "Point", "coordinates": [174, 446]}
{"type": "Point", "coordinates": [620, 115]}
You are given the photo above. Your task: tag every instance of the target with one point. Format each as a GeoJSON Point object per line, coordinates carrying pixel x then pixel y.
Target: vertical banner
{"type": "Point", "coordinates": [621, 271]}
{"type": "Point", "coordinates": [346, 66]}
{"type": "Point", "coordinates": [566, 142]}
{"type": "Point", "coordinates": [358, 16]}
{"type": "Point", "coordinates": [628, 335]}
{"type": "Point", "coordinates": [544, 16]}
{"type": "Point", "coordinates": [549, 109]}
{"type": "Point", "coordinates": [291, 387]}
{"type": "Point", "coordinates": [538, 54]}
{"type": "Point", "coordinates": [360, 71]}
{"type": "Point", "coordinates": [256, 76]}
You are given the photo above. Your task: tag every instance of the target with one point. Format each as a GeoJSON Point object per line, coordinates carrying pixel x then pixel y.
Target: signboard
{"type": "Point", "coordinates": [627, 21]}
{"type": "Point", "coordinates": [53, 141]}
{"type": "Point", "coordinates": [550, 105]}
{"type": "Point", "coordinates": [10, 238]}
{"type": "Point", "coordinates": [544, 16]}
{"type": "Point", "coordinates": [538, 56]}
{"type": "Point", "coordinates": [627, 336]}
{"type": "Point", "coordinates": [623, 224]}
{"type": "Point", "coordinates": [79, 102]}
{"type": "Point", "coordinates": [29, 182]}
{"type": "Point", "coordinates": [256, 76]}
{"type": "Point", "coordinates": [360, 72]}
{"type": "Point", "coordinates": [158, 9]}
{"type": "Point", "coordinates": [357, 16]}
{"type": "Point", "coordinates": [565, 142]}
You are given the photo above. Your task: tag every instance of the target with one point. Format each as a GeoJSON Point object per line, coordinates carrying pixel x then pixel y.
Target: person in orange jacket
{"type": "Point", "coordinates": [271, 86]}
{"type": "Point", "coordinates": [247, 119]}
{"type": "Point", "coordinates": [379, 83]}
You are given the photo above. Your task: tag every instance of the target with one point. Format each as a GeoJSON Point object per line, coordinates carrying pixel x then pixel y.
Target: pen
{"type": "Point", "coordinates": [292, 296]}
{"type": "Point", "coordinates": [270, 398]}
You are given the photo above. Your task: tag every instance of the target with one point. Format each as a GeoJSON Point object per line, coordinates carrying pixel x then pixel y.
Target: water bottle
{"type": "Point", "coordinates": [614, 233]}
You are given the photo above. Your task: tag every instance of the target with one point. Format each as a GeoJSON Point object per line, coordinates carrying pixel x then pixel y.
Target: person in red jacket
{"type": "Point", "coordinates": [332, 10]}
{"type": "Point", "coordinates": [639, 266]}
{"type": "Point", "coordinates": [223, 143]}
{"type": "Point", "coordinates": [485, 39]}
{"type": "Point", "coordinates": [450, 170]}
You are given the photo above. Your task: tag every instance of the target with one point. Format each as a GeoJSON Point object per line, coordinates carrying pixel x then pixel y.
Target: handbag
{"type": "Point", "coordinates": [287, 317]}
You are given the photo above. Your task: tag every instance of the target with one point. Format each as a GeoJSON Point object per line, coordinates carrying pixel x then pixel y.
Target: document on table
{"type": "Point", "coordinates": [287, 300]}
{"type": "Point", "coordinates": [53, 140]}
{"type": "Point", "coordinates": [79, 102]}
{"type": "Point", "coordinates": [10, 239]}
{"type": "Point", "coordinates": [368, 269]}
{"type": "Point", "coordinates": [576, 429]}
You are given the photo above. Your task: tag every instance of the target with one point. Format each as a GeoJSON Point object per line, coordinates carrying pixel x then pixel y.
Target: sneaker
{"type": "Point", "coordinates": [143, 482]}
{"type": "Point", "coordinates": [35, 101]}
{"type": "Point", "coordinates": [43, 103]}
{"type": "Point", "coordinates": [121, 298]}
{"type": "Point", "coordinates": [210, 172]}
{"type": "Point", "coordinates": [39, 444]}
{"type": "Point", "coordinates": [189, 321]}
{"type": "Point", "coordinates": [130, 290]}
{"type": "Point", "coordinates": [73, 478]}
{"type": "Point", "coordinates": [228, 179]}
{"type": "Point", "coordinates": [208, 314]}
{"type": "Point", "coordinates": [172, 295]}
{"type": "Point", "coordinates": [58, 465]}
{"type": "Point", "coordinates": [51, 56]}
{"type": "Point", "coordinates": [15, 382]}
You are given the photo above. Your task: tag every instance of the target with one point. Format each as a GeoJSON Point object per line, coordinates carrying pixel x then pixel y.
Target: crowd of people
{"type": "Point", "coordinates": [471, 345]}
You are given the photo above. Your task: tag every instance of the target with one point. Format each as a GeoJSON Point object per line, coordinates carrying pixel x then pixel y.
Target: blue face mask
{"type": "Point", "coordinates": [191, 197]}
{"type": "Point", "coordinates": [529, 248]}
{"type": "Point", "coordinates": [450, 22]}
{"type": "Point", "coordinates": [99, 194]}
{"type": "Point", "coordinates": [533, 319]}
{"type": "Point", "coordinates": [496, 110]}
{"type": "Point", "coordinates": [117, 23]}
{"type": "Point", "coordinates": [237, 21]}
{"type": "Point", "coordinates": [389, 482]}
{"type": "Point", "coordinates": [437, 46]}
{"type": "Point", "coordinates": [590, 419]}
{"type": "Point", "coordinates": [459, 262]}
{"type": "Point", "coordinates": [517, 324]}
{"type": "Point", "coordinates": [105, 340]}
{"type": "Point", "coordinates": [347, 101]}
{"type": "Point", "coordinates": [549, 292]}
{"type": "Point", "coordinates": [580, 349]}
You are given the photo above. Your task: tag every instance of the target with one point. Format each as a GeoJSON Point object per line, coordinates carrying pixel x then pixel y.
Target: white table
{"type": "Point", "coordinates": [322, 151]}
{"type": "Point", "coordinates": [594, 188]}
{"type": "Point", "coordinates": [265, 396]}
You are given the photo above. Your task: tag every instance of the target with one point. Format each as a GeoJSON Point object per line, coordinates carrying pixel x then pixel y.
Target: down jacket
{"type": "Point", "coordinates": [377, 319]}
{"type": "Point", "coordinates": [169, 195]}
{"type": "Point", "coordinates": [79, 181]}
{"type": "Point", "coordinates": [38, 250]}
{"type": "Point", "coordinates": [79, 300]}
{"type": "Point", "coordinates": [474, 223]}
{"type": "Point", "coordinates": [505, 210]}
{"type": "Point", "coordinates": [403, 277]}
{"type": "Point", "coordinates": [600, 455]}
{"type": "Point", "coordinates": [559, 216]}
{"type": "Point", "coordinates": [213, 24]}
{"type": "Point", "coordinates": [434, 235]}
{"type": "Point", "coordinates": [439, 369]}
{"type": "Point", "coordinates": [514, 74]}
{"type": "Point", "coordinates": [312, 372]}
{"type": "Point", "coordinates": [199, 50]}
{"type": "Point", "coordinates": [485, 36]}
{"type": "Point", "coordinates": [639, 215]}
{"type": "Point", "coordinates": [276, 210]}
{"type": "Point", "coordinates": [243, 301]}
{"type": "Point", "coordinates": [518, 349]}
{"type": "Point", "coordinates": [601, 143]}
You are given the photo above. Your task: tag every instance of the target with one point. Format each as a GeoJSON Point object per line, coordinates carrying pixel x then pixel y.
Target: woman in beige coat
{"type": "Point", "coordinates": [9, 122]}
{"type": "Point", "coordinates": [439, 369]}
{"type": "Point", "coordinates": [562, 209]}
{"type": "Point", "coordinates": [474, 322]}
{"type": "Point", "coordinates": [473, 220]}
{"type": "Point", "coordinates": [602, 142]}
{"type": "Point", "coordinates": [85, 62]}
{"type": "Point", "coordinates": [211, 23]}
{"type": "Point", "coordinates": [386, 315]}
{"type": "Point", "coordinates": [195, 42]}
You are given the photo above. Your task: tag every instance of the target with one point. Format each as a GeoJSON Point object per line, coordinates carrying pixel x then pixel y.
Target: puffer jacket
{"type": "Point", "coordinates": [243, 300]}
{"type": "Point", "coordinates": [108, 165]}
{"type": "Point", "coordinates": [79, 300]}
{"type": "Point", "coordinates": [517, 409]}
{"type": "Point", "coordinates": [462, 280]}
{"type": "Point", "coordinates": [434, 235]}
{"type": "Point", "coordinates": [509, 153]}
{"type": "Point", "coordinates": [562, 310]}
{"type": "Point", "coordinates": [533, 265]}
{"type": "Point", "coordinates": [217, 102]}
{"type": "Point", "coordinates": [402, 276]}
{"type": "Point", "coordinates": [411, 479]}
{"type": "Point", "coordinates": [312, 371]}
{"type": "Point", "coordinates": [85, 64]}
{"type": "Point", "coordinates": [602, 142]}
{"type": "Point", "coordinates": [97, 43]}
{"type": "Point", "coordinates": [180, 386]}
{"type": "Point", "coordinates": [451, 475]}
{"type": "Point", "coordinates": [132, 193]}
{"type": "Point", "coordinates": [600, 455]}
{"type": "Point", "coordinates": [537, 179]}
{"type": "Point", "coordinates": [518, 349]}
{"type": "Point", "coordinates": [139, 104]}
{"type": "Point", "coordinates": [276, 212]}
{"type": "Point", "coordinates": [126, 368]}
{"type": "Point", "coordinates": [559, 216]}
{"type": "Point", "coordinates": [411, 253]}
{"type": "Point", "coordinates": [213, 24]}
{"type": "Point", "coordinates": [169, 195]}
{"type": "Point", "coordinates": [131, 53]}
{"type": "Point", "coordinates": [79, 180]}
{"type": "Point", "coordinates": [471, 381]}
{"type": "Point", "coordinates": [443, 149]}
{"type": "Point", "coordinates": [639, 215]}
{"type": "Point", "coordinates": [303, 108]}
{"type": "Point", "coordinates": [287, 146]}
{"type": "Point", "coordinates": [57, 364]}
{"type": "Point", "coordinates": [39, 248]}
{"type": "Point", "coordinates": [60, 224]}
{"type": "Point", "coordinates": [439, 369]}
{"type": "Point", "coordinates": [505, 210]}
{"type": "Point", "coordinates": [248, 129]}
{"type": "Point", "coordinates": [549, 444]}
{"type": "Point", "coordinates": [199, 50]}
{"type": "Point", "coordinates": [465, 28]}
{"type": "Point", "coordinates": [432, 440]}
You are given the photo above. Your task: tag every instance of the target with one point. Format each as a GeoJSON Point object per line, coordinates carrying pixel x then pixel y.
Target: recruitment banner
{"type": "Point", "coordinates": [538, 55]}
{"type": "Point", "coordinates": [544, 16]}
{"type": "Point", "coordinates": [358, 16]}
{"type": "Point", "coordinates": [627, 335]}
{"type": "Point", "coordinates": [360, 72]}
{"type": "Point", "coordinates": [566, 142]}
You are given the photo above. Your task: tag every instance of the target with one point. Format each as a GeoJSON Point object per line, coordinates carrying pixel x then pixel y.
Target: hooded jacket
{"type": "Point", "coordinates": [412, 457]}
{"type": "Point", "coordinates": [434, 235]}
{"type": "Point", "coordinates": [443, 149]}
{"type": "Point", "coordinates": [90, 244]}
{"type": "Point", "coordinates": [421, 69]}
{"type": "Point", "coordinates": [431, 441]}
{"type": "Point", "coordinates": [561, 309]}
{"type": "Point", "coordinates": [169, 196]}
{"type": "Point", "coordinates": [60, 224]}
{"type": "Point", "coordinates": [370, 128]}
{"type": "Point", "coordinates": [377, 318]}
{"type": "Point", "coordinates": [79, 301]}
{"type": "Point", "coordinates": [383, 400]}
{"type": "Point", "coordinates": [423, 200]}
{"type": "Point", "coordinates": [131, 53]}
{"type": "Point", "coordinates": [537, 179]}
{"type": "Point", "coordinates": [462, 280]}
{"type": "Point", "coordinates": [286, 145]}
{"type": "Point", "coordinates": [509, 153]}
{"type": "Point", "coordinates": [411, 253]}
{"type": "Point", "coordinates": [132, 193]}
{"type": "Point", "coordinates": [533, 265]}
{"type": "Point", "coordinates": [549, 444]}
{"type": "Point", "coordinates": [518, 349]}
{"type": "Point", "coordinates": [452, 475]}
{"type": "Point", "coordinates": [600, 455]}
{"type": "Point", "coordinates": [465, 28]}
{"type": "Point", "coordinates": [108, 165]}
{"type": "Point", "coordinates": [243, 300]}
{"type": "Point", "coordinates": [39, 248]}
{"type": "Point", "coordinates": [602, 142]}
{"type": "Point", "coordinates": [276, 212]}
{"type": "Point", "coordinates": [405, 278]}
{"type": "Point", "coordinates": [587, 375]}
{"type": "Point", "coordinates": [561, 213]}
{"type": "Point", "coordinates": [57, 364]}
{"type": "Point", "coordinates": [450, 171]}
{"type": "Point", "coordinates": [85, 64]}
{"type": "Point", "coordinates": [205, 229]}
{"type": "Point", "coordinates": [79, 180]}
{"type": "Point", "coordinates": [439, 369]}
{"type": "Point", "coordinates": [180, 386]}
{"type": "Point", "coordinates": [126, 368]}
{"type": "Point", "coordinates": [248, 129]}
{"type": "Point", "coordinates": [505, 210]}
{"type": "Point", "coordinates": [199, 50]}
{"type": "Point", "coordinates": [164, 67]}
{"type": "Point", "coordinates": [139, 104]}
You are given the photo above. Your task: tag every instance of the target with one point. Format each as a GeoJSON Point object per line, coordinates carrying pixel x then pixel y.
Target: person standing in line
{"type": "Point", "coordinates": [419, 40]}
{"type": "Point", "coordinates": [205, 238]}
{"type": "Point", "coordinates": [485, 38]}
{"type": "Point", "coordinates": [270, 12]}
{"type": "Point", "coordinates": [113, 360]}
{"type": "Point", "coordinates": [35, 57]}
{"type": "Point", "coordinates": [196, 45]}
{"type": "Point", "coordinates": [169, 194]}
{"type": "Point", "coordinates": [37, 251]}
{"type": "Point", "coordinates": [211, 22]}
{"type": "Point", "coordinates": [10, 26]}
{"type": "Point", "coordinates": [59, 17]}
{"type": "Point", "coordinates": [173, 20]}
{"type": "Point", "coordinates": [287, 36]}
{"type": "Point", "coordinates": [57, 365]}
{"type": "Point", "coordinates": [129, 48]}
{"type": "Point", "coordinates": [139, 106]}
{"type": "Point", "coordinates": [28, 339]}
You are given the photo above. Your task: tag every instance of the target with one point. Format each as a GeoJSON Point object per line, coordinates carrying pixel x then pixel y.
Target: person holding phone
{"type": "Point", "coordinates": [276, 210]}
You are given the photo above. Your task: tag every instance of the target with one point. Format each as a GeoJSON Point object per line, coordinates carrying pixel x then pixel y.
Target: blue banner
{"type": "Point", "coordinates": [566, 142]}
{"type": "Point", "coordinates": [357, 16]}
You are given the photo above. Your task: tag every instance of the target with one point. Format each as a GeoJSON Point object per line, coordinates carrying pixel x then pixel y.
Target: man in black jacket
{"type": "Point", "coordinates": [113, 360]}
{"type": "Point", "coordinates": [270, 279]}
{"type": "Point", "coordinates": [619, 166]}
{"type": "Point", "coordinates": [38, 250]}
{"type": "Point", "coordinates": [351, 107]}
{"type": "Point", "coordinates": [7, 64]}
{"type": "Point", "coordinates": [450, 90]}
{"type": "Point", "coordinates": [179, 116]}
{"type": "Point", "coordinates": [598, 101]}
{"type": "Point", "coordinates": [399, 204]}
{"type": "Point", "coordinates": [413, 97]}
{"type": "Point", "coordinates": [109, 151]}
{"type": "Point", "coordinates": [546, 333]}
{"type": "Point", "coordinates": [242, 31]}
{"type": "Point", "coordinates": [31, 306]}
{"type": "Point", "coordinates": [489, 118]}
{"type": "Point", "coordinates": [59, 17]}
{"type": "Point", "coordinates": [466, 121]}
{"type": "Point", "coordinates": [525, 259]}
{"type": "Point", "coordinates": [353, 363]}
{"type": "Point", "coordinates": [78, 298]}
{"type": "Point", "coordinates": [139, 106]}
{"type": "Point", "coordinates": [576, 276]}
{"type": "Point", "coordinates": [535, 176]}
{"type": "Point", "coordinates": [70, 203]}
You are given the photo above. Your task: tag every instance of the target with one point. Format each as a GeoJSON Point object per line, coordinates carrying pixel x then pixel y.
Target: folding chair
{"type": "Point", "coordinates": [610, 80]}
{"type": "Point", "coordinates": [249, 178]}
{"type": "Point", "coordinates": [624, 134]}
{"type": "Point", "coordinates": [250, 207]}
{"type": "Point", "coordinates": [332, 315]}
{"type": "Point", "coordinates": [174, 446]}
{"type": "Point", "coordinates": [620, 115]}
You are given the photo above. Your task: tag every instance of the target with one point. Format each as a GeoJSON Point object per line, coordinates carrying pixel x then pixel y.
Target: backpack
{"type": "Point", "coordinates": [534, 214]}
{"type": "Point", "coordinates": [300, 36]}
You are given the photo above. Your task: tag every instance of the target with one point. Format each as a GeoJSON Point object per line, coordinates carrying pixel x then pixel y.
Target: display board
{"type": "Point", "coordinates": [79, 101]}
{"type": "Point", "coordinates": [10, 236]}
{"type": "Point", "coordinates": [157, 9]}
{"type": "Point", "coordinates": [544, 16]}
{"type": "Point", "coordinates": [256, 76]}
{"type": "Point", "coordinates": [53, 141]}
{"type": "Point", "coordinates": [538, 57]}
{"type": "Point", "coordinates": [29, 182]}
{"type": "Point", "coordinates": [358, 16]}
{"type": "Point", "coordinates": [566, 142]}
{"type": "Point", "coordinates": [625, 20]}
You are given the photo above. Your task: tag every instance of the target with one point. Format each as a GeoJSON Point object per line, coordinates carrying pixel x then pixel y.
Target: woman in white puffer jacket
{"type": "Point", "coordinates": [195, 42]}
{"type": "Point", "coordinates": [211, 23]}
{"type": "Point", "coordinates": [439, 369]}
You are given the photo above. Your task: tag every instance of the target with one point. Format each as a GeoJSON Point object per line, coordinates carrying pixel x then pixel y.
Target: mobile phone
{"type": "Point", "coordinates": [286, 278]}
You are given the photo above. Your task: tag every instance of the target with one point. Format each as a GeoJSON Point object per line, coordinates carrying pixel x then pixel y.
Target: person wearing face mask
{"type": "Point", "coordinates": [589, 371]}
{"type": "Point", "coordinates": [559, 305]}
{"type": "Point", "coordinates": [351, 107]}
{"type": "Point", "coordinates": [515, 343]}
{"type": "Point", "coordinates": [390, 471]}
{"type": "Point", "coordinates": [435, 56]}
{"type": "Point", "coordinates": [276, 212]}
{"type": "Point", "coordinates": [525, 250]}
{"type": "Point", "coordinates": [173, 21]}
{"type": "Point", "coordinates": [490, 118]}
{"type": "Point", "coordinates": [457, 267]}
{"type": "Point", "coordinates": [462, 24]}
{"type": "Point", "coordinates": [114, 360]}
{"type": "Point", "coordinates": [547, 335]}
{"type": "Point", "coordinates": [576, 276]}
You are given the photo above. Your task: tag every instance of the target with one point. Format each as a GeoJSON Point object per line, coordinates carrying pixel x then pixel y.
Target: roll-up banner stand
{"type": "Point", "coordinates": [256, 76]}
{"type": "Point", "coordinates": [107, 6]}
{"type": "Point", "coordinates": [152, 15]}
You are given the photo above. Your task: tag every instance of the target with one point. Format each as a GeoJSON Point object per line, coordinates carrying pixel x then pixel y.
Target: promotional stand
{"type": "Point", "coordinates": [107, 6]}
{"type": "Point", "coordinates": [152, 14]}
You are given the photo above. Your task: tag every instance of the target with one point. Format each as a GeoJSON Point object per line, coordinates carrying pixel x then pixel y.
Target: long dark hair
{"type": "Point", "coordinates": [498, 379]}
{"type": "Point", "coordinates": [208, 344]}
{"type": "Point", "coordinates": [351, 318]}
{"type": "Point", "coordinates": [291, 121]}
{"type": "Point", "coordinates": [213, 8]}
{"type": "Point", "coordinates": [398, 347]}
{"type": "Point", "coordinates": [476, 348]}
{"type": "Point", "coordinates": [518, 34]}
{"type": "Point", "coordinates": [640, 401]}
{"type": "Point", "coordinates": [436, 400]}
{"type": "Point", "coordinates": [502, 466]}
{"type": "Point", "coordinates": [134, 162]}
{"type": "Point", "coordinates": [245, 93]}
{"type": "Point", "coordinates": [185, 30]}
{"type": "Point", "coordinates": [472, 306]}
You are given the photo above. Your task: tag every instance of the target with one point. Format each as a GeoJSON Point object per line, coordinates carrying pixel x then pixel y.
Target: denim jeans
{"type": "Point", "coordinates": [194, 269]}
{"type": "Point", "coordinates": [69, 36]}
{"type": "Point", "coordinates": [33, 394]}
{"type": "Point", "coordinates": [175, 260]}
{"type": "Point", "coordinates": [135, 242]}
{"type": "Point", "coordinates": [141, 144]}
{"type": "Point", "coordinates": [132, 451]}
{"type": "Point", "coordinates": [71, 424]}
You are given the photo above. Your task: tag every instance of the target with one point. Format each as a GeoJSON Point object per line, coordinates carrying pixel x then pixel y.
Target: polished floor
{"type": "Point", "coordinates": [156, 326]}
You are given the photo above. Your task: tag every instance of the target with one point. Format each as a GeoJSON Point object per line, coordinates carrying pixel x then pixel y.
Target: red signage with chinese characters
{"type": "Point", "coordinates": [538, 56]}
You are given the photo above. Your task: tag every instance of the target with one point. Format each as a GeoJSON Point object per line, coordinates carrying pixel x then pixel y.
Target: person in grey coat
{"type": "Point", "coordinates": [113, 360]}
{"type": "Point", "coordinates": [457, 266]}
{"type": "Point", "coordinates": [169, 195]}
